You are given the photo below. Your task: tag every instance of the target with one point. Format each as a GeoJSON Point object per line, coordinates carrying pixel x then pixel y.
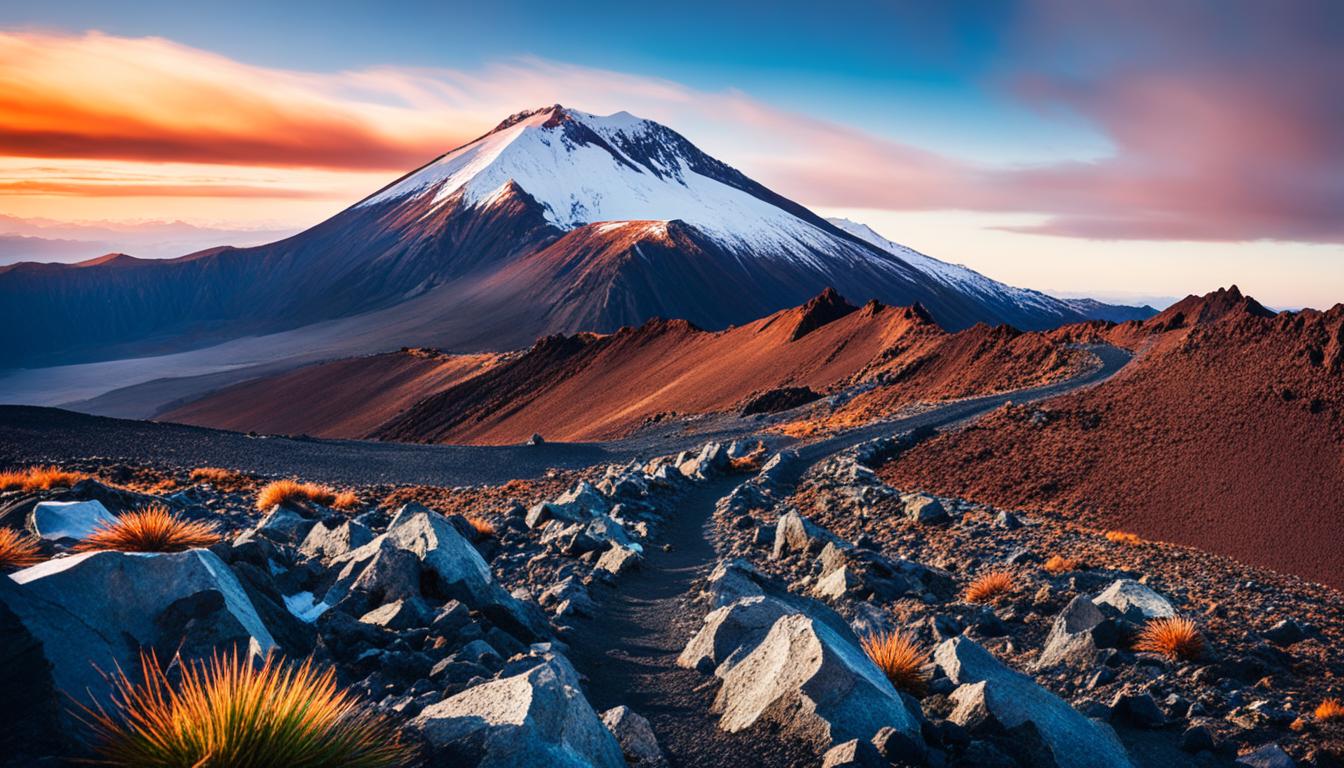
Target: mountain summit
{"type": "Point", "coordinates": [555, 221]}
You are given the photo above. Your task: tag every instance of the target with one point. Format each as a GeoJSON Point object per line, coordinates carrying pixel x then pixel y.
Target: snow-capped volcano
{"type": "Point", "coordinates": [582, 169]}
{"type": "Point", "coordinates": [555, 221]}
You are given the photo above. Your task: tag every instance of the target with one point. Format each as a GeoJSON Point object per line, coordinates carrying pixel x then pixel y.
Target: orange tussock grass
{"type": "Point", "coordinates": [17, 550]}
{"type": "Point", "coordinates": [1121, 537]}
{"type": "Point", "coordinates": [1329, 710]}
{"type": "Point", "coordinates": [899, 658]}
{"type": "Point", "coordinates": [223, 479]}
{"type": "Point", "coordinates": [1058, 564]}
{"type": "Point", "coordinates": [484, 528]}
{"type": "Point", "coordinates": [346, 501]}
{"type": "Point", "coordinates": [152, 529]}
{"type": "Point", "coordinates": [229, 712]}
{"type": "Point", "coordinates": [990, 587]}
{"type": "Point", "coordinates": [749, 462]}
{"type": "Point", "coordinates": [38, 479]}
{"type": "Point", "coordinates": [1175, 637]}
{"type": "Point", "coordinates": [281, 491]}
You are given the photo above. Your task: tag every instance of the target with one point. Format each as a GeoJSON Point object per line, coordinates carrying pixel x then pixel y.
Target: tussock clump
{"type": "Point", "coordinates": [346, 501]}
{"type": "Point", "coordinates": [899, 658]}
{"type": "Point", "coordinates": [1058, 564]}
{"type": "Point", "coordinates": [228, 712]}
{"type": "Point", "coordinates": [39, 479]}
{"type": "Point", "coordinates": [152, 529]}
{"type": "Point", "coordinates": [484, 528]}
{"type": "Point", "coordinates": [282, 491]}
{"type": "Point", "coordinates": [1123, 537]}
{"type": "Point", "coordinates": [222, 479]}
{"type": "Point", "coordinates": [1329, 710]}
{"type": "Point", "coordinates": [990, 587]}
{"type": "Point", "coordinates": [17, 550]}
{"type": "Point", "coordinates": [1175, 637]}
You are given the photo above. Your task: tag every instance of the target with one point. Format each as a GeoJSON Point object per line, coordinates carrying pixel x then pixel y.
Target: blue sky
{"type": "Point", "coordinates": [1118, 149]}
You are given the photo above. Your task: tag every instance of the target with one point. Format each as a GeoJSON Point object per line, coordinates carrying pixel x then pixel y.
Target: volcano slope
{"type": "Point", "coordinates": [1226, 433]}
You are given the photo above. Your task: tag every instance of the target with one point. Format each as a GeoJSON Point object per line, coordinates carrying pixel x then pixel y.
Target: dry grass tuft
{"type": "Point", "coordinates": [228, 712]}
{"type": "Point", "coordinates": [1058, 564]}
{"type": "Point", "coordinates": [1175, 637]}
{"type": "Point", "coordinates": [484, 528]}
{"type": "Point", "coordinates": [990, 587]}
{"type": "Point", "coordinates": [899, 658]}
{"type": "Point", "coordinates": [152, 529]}
{"type": "Point", "coordinates": [749, 462]}
{"type": "Point", "coordinates": [17, 550]}
{"type": "Point", "coordinates": [346, 501]}
{"type": "Point", "coordinates": [222, 479]}
{"type": "Point", "coordinates": [282, 491]}
{"type": "Point", "coordinates": [1329, 710]}
{"type": "Point", "coordinates": [39, 479]}
{"type": "Point", "coordinates": [1121, 537]}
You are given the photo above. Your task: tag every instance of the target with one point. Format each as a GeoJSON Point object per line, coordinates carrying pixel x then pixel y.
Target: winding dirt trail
{"type": "Point", "coordinates": [629, 653]}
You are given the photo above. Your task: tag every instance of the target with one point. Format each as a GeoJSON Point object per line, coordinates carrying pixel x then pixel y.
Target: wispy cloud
{"type": "Point", "coordinates": [1214, 143]}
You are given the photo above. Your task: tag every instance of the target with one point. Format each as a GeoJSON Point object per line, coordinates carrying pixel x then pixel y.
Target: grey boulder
{"type": "Point", "coordinates": [68, 520]}
{"type": "Point", "coordinates": [814, 684]}
{"type": "Point", "coordinates": [1053, 733]}
{"type": "Point", "coordinates": [535, 719]}
{"type": "Point", "coordinates": [95, 611]}
{"type": "Point", "coordinates": [1134, 601]}
{"type": "Point", "coordinates": [636, 737]}
{"type": "Point", "coordinates": [1079, 631]}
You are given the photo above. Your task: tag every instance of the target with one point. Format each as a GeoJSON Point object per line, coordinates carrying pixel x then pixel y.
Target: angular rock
{"type": "Point", "coordinates": [1286, 632]}
{"type": "Point", "coordinates": [1079, 631]}
{"type": "Point", "coordinates": [98, 609]}
{"type": "Point", "coordinates": [68, 520]}
{"type": "Point", "coordinates": [814, 684]}
{"type": "Point", "coordinates": [328, 543]}
{"type": "Point", "coordinates": [618, 560]}
{"type": "Point", "coordinates": [399, 615]}
{"type": "Point", "coordinates": [1134, 601]}
{"type": "Point", "coordinates": [730, 633]}
{"type": "Point", "coordinates": [924, 509]}
{"type": "Point", "coordinates": [635, 735]}
{"type": "Point", "coordinates": [1268, 756]}
{"type": "Point", "coordinates": [711, 459]}
{"type": "Point", "coordinates": [1139, 709]}
{"type": "Point", "coordinates": [536, 719]}
{"type": "Point", "coordinates": [282, 525]}
{"type": "Point", "coordinates": [1014, 703]}
{"type": "Point", "coordinates": [795, 533]}
{"type": "Point", "coordinates": [853, 754]}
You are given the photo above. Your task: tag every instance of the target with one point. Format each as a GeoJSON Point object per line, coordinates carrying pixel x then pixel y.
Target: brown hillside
{"type": "Point", "coordinates": [344, 398]}
{"type": "Point", "coordinates": [592, 387]}
{"type": "Point", "coordinates": [1226, 433]}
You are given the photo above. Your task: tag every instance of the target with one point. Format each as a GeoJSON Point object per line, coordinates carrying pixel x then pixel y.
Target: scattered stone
{"type": "Point", "coordinates": [1268, 756]}
{"type": "Point", "coordinates": [635, 735]}
{"type": "Point", "coordinates": [1285, 633]}
{"type": "Point", "coordinates": [619, 559]}
{"type": "Point", "coordinates": [1139, 709]}
{"type": "Point", "coordinates": [1134, 601]}
{"type": "Point", "coordinates": [924, 509]}
{"type": "Point", "coordinates": [330, 542]}
{"type": "Point", "coordinates": [795, 533]}
{"type": "Point", "coordinates": [1078, 632]}
{"type": "Point", "coordinates": [853, 754]}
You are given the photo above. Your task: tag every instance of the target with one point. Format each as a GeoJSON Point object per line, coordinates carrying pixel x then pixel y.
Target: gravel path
{"type": "Point", "coordinates": [629, 656]}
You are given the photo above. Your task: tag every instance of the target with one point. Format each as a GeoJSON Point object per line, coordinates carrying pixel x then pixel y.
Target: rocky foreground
{"type": "Point", "coordinates": [488, 621]}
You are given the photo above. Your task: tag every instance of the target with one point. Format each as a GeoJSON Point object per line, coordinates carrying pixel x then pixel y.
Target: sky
{"type": "Point", "coordinates": [1137, 151]}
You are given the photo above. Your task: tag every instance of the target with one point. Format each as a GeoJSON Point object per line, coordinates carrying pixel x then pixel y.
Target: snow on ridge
{"type": "Point", "coordinates": [955, 275]}
{"type": "Point", "coordinates": [579, 183]}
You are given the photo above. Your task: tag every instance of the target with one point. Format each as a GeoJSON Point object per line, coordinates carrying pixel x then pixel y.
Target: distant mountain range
{"type": "Point", "coordinates": [555, 221]}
